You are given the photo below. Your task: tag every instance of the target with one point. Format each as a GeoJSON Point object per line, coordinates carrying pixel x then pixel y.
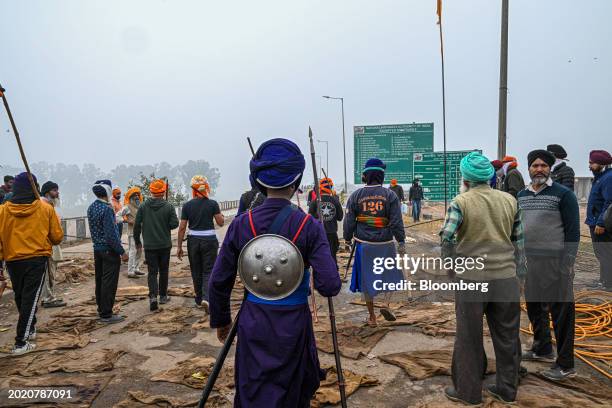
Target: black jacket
{"type": "Point", "coordinates": [251, 199]}
{"type": "Point", "coordinates": [399, 190]}
{"type": "Point", "coordinates": [415, 193]}
{"type": "Point", "coordinates": [331, 210]}
{"type": "Point", "coordinates": [564, 175]}
{"type": "Point", "coordinates": [513, 182]}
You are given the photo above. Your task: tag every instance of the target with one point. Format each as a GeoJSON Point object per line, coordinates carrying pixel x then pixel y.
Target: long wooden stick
{"type": "Point", "coordinates": [330, 302]}
{"type": "Point", "coordinates": [16, 133]}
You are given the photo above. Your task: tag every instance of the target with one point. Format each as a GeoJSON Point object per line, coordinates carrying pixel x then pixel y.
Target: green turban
{"type": "Point", "coordinates": [476, 167]}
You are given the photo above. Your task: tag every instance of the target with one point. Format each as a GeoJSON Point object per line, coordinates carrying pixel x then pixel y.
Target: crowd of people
{"type": "Point", "coordinates": [529, 233]}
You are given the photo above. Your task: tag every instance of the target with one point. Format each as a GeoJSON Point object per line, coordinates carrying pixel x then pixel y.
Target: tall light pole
{"type": "Point", "coordinates": [343, 139]}
{"type": "Point", "coordinates": [503, 83]}
{"type": "Point", "coordinates": [326, 153]}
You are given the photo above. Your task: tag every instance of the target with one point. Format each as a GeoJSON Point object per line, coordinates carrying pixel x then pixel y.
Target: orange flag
{"type": "Point", "coordinates": [439, 11]}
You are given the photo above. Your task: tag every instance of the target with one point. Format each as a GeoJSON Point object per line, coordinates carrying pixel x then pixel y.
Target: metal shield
{"type": "Point", "coordinates": [271, 266]}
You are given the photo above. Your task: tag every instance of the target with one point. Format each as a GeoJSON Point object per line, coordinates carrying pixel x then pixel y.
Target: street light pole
{"type": "Point", "coordinates": [341, 99]}
{"type": "Point", "coordinates": [503, 83]}
{"type": "Point", "coordinates": [326, 153]}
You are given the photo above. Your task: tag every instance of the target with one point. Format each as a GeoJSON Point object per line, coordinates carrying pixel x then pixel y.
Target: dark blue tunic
{"type": "Point", "coordinates": [276, 356]}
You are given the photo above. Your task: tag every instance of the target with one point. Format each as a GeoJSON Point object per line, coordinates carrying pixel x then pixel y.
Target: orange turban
{"type": "Point", "coordinates": [158, 188]}
{"type": "Point", "coordinates": [199, 186]}
{"type": "Point", "coordinates": [326, 185]}
{"type": "Point", "coordinates": [394, 182]}
{"type": "Point", "coordinates": [512, 160]}
{"type": "Point", "coordinates": [132, 191]}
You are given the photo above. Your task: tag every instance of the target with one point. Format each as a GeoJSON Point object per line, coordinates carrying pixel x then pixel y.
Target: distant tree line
{"type": "Point", "coordinates": [75, 182]}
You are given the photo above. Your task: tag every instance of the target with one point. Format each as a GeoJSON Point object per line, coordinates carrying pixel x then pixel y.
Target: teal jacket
{"type": "Point", "coordinates": [155, 219]}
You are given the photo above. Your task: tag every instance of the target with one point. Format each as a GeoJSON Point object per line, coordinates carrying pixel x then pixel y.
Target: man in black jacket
{"type": "Point", "coordinates": [415, 196]}
{"type": "Point", "coordinates": [331, 213]}
{"type": "Point", "coordinates": [560, 171]}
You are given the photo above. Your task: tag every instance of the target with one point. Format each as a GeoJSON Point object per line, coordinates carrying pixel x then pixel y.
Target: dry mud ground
{"type": "Point", "coordinates": [142, 355]}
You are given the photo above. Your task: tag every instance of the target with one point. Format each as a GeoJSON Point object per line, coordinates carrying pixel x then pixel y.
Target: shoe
{"type": "Point", "coordinates": [140, 273]}
{"type": "Point", "coordinates": [164, 299]}
{"type": "Point", "coordinates": [451, 394]}
{"type": "Point", "coordinates": [387, 314]}
{"type": "Point", "coordinates": [531, 355]}
{"type": "Point", "coordinates": [54, 303]}
{"type": "Point", "coordinates": [32, 335]}
{"type": "Point", "coordinates": [112, 320]}
{"type": "Point", "coordinates": [133, 276]}
{"type": "Point", "coordinates": [153, 304]}
{"type": "Point", "coordinates": [556, 373]}
{"type": "Point", "coordinates": [523, 372]}
{"type": "Point", "coordinates": [26, 348]}
{"type": "Point", "coordinates": [492, 391]}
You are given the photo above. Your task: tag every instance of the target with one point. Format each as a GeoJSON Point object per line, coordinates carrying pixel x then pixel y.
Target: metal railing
{"type": "Point", "coordinates": [77, 228]}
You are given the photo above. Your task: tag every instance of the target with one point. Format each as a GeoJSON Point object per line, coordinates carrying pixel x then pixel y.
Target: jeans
{"type": "Point", "coordinates": [158, 262]}
{"type": "Point", "coordinates": [416, 210]}
{"type": "Point", "coordinates": [202, 254]}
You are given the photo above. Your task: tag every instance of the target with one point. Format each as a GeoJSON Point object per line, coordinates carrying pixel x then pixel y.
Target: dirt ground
{"type": "Point", "coordinates": [126, 358]}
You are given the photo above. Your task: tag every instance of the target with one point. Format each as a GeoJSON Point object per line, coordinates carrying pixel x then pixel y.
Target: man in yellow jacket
{"type": "Point", "coordinates": [29, 229]}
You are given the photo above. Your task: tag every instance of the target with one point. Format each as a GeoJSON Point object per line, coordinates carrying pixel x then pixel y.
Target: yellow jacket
{"type": "Point", "coordinates": [28, 230]}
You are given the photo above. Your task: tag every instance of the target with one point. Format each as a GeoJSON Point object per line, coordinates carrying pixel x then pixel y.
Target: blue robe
{"type": "Point", "coordinates": [276, 362]}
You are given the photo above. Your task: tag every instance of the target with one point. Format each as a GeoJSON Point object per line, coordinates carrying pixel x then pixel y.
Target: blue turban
{"type": "Point", "coordinates": [278, 163]}
{"type": "Point", "coordinates": [22, 182]}
{"type": "Point", "coordinates": [102, 188]}
{"type": "Point", "coordinates": [476, 167]}
{"type": "Point", "coordinates": [374, 171]}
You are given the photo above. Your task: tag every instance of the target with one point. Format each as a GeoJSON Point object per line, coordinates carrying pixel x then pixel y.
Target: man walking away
{"type": "Point", "coordinates": [108, 252]}
{"type": "Point", "coordinates": [131, 203]}
{"type": "Point", "coordinates": [116, 203]}
{"type": "Point", "coordinates": [155, 219]}
{"type": "Point", "coordinates": [485, 223]}
{"type": "Point", "coordinates": [496, 180]}
{"type": "Point", "coordinates": [276, 361]}
{"type": "Point", "coordinates": [551, 221]}
{"type": "Point", "coordinates": [397, 189]}
{"type": "Point", "coordinates": [202, 244]}
{"type": "Point", "coordinates": [331, 213]}
{"type": "Point", "coordinates": [29, 229]}
{"type": "Point", "coordinates": [6, 188]}
{"type": "Point", "coordinates": [560, 171]}
{"type": "Point", "coordinates": [513, 179]}
{"type": "Point", "coordinates": [250, 199]}
{"type": "Point", "coordinates": [600, 199]}
{"type": "Point", "coordinates": [50, 195]}
{"type": "Point", "coordinates": [415, 196]}
{"type": "Point", "coordinates": [373, 219]}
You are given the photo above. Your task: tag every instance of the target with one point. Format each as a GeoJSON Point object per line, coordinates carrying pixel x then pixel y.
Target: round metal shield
{"type": "Point", "coordinates": [271, 266]}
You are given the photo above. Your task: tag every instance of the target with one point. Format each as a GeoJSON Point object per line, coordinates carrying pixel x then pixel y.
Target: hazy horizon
{"type": "Point", "coordinates": [144, 82]}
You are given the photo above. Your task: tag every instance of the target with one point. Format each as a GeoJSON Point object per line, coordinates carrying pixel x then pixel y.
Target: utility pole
{"type": "Point", "coordinates": [503, 83]}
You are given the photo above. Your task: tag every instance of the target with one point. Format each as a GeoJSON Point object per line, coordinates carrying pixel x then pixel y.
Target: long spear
{"type": "Point", "coordinates": [330, 302]}
{"type": "Point", "coordinates": [16, 133]}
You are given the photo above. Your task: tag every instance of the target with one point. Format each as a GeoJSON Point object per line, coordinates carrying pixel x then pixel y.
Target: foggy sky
{"type": "Point", "coordinates": [121, 82]}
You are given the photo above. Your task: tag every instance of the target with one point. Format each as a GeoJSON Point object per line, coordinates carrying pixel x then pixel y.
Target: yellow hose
{"type": "Point", "coordinates": [593, 320]}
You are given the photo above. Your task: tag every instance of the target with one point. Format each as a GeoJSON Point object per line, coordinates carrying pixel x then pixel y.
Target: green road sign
{"type": "Point", "coordinates": [429, 168]}
{"type": "Point", "coordinates": [394, 145]}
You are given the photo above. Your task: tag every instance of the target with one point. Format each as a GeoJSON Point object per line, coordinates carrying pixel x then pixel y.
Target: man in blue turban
{"type": "Point", "coordinates": [484, 224]}
{"type": "Point", "coordinates": [276, 363]}
{"type": "Point", "coordinates": [373, 218]}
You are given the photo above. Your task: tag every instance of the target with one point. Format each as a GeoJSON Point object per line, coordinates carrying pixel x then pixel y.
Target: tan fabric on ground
{"type": "Point", "coordinates": [75, 325]}
{"type": "Point", "coordinates": [194, 373]}
{"type": "Point", "coordinates": [419, 365]}
{"type": "Point", "coordinates": [353, 341]}
{"type": "Point", "coordinates": [142, 292]}
{"type": "Point", "coordinates": [55, 341]}
{"type": "Point", "coordinates": [70, 362]}
{"type": "Point", "coordinates": [88, 388]}
{"type": "Point", "coordinates": [79, 270]}
{"type": "Point", "coordinates": [537, 393]}
{"type": "Point", "coordinates": [164, 321]}
{"type": "Point", "coordinates": [82, 310]}
{"type": "Point", "coordinates": [329, 393]}
{"type": "Point", "coordinates": [139, 399]}
{"type": "Point", "coordinates": [201, 324]}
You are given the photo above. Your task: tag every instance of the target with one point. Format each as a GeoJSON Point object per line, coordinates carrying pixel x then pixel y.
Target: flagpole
{"type": "Point", "coordinates": [443, 104]}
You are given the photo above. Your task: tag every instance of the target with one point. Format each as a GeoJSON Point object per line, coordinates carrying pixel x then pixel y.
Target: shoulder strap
{"type": "Point", "coordinates": [277, 223]}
